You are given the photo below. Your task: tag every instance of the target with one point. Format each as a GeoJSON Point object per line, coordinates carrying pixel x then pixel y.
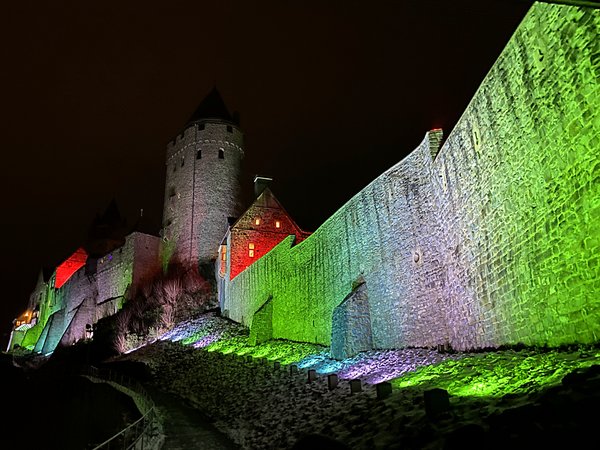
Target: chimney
{"type": "Point", "coordinates": [260, 183]}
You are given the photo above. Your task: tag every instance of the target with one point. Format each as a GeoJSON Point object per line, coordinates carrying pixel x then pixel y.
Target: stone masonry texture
{"type": "Point", "coordinates": [201, 191]}
{"type": "Point", "coordinates": [89, 295]}
{"type": "Point", "coordinates": [492, 239]}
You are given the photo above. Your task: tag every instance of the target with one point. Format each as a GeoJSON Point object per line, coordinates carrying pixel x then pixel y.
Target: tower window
{"type": "Point", "coordinates": [251, 250]}
{"type": "Point", "coordinates": [182, 161]}
{"type": "Point", "coordinates": [199, 154]}
{"type": "Point", "coordinates": [229, 129]}
{"type": "Point", "coordinates": [257, 221]}
{"type": "Point", "coordinates": [200, 126]}
{"type": "Point", "coordinates": [171, 191]}
{"type": "Point", "coordinates": [174, 167]}
{"type": "Point", "coordinates": [277, 224]}
{"type": "Point", "coordinates": [221, 153]}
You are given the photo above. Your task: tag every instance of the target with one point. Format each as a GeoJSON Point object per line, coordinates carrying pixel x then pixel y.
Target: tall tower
{"type": "Point", "coordinates": [202, 188]}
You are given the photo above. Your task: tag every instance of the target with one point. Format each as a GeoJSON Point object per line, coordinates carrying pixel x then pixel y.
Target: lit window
{"type": "Point", "coordinates": [277, 224]}
{"type": "Point", "coordinates": [251, 250]}
{"type": "Point", "coordinates": [224, 254]}
{"type": "Point", "coordinates": [257, 221]}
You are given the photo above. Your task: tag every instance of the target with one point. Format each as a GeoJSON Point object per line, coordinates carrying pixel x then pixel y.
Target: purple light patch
{"type": "Point", "coordinates": [205, 341]}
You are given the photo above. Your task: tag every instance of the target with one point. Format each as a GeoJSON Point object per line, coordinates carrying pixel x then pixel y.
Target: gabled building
{"type": "Point", "coordinates": [260, 228]}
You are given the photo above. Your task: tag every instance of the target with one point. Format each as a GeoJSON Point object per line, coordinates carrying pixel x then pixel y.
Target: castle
{"type": "Point", "coordinates": [486, 238]}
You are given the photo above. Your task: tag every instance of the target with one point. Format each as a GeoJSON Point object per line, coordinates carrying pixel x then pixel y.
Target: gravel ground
{"type": "Point", "coordinates": [499, 399]}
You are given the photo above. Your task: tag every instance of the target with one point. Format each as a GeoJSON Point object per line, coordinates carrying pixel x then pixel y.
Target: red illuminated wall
{"type": "Point", "coordinates": [263, 235]}
{"type": "Point", "coordinates": [70, 266]}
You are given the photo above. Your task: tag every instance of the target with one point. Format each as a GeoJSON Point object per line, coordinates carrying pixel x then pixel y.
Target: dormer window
{"type": "Point", "coordinates": [251, 250]}
{"type": "Point", "coordinates": [257, 221]}
{"type": "Point", "coordinates": [277, 224]}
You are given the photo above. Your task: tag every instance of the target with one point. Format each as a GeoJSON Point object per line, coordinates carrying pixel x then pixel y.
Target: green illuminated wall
{"type": "Point", "coordinates": [518, 184]}
{"type": "Point", "coordinates": [492, 240]}
{"type": "Point", "coordinates": [372, 236]}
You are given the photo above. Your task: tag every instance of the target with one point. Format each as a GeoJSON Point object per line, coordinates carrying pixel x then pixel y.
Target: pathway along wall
{"type": "Point", "coordinates": [495, 241]}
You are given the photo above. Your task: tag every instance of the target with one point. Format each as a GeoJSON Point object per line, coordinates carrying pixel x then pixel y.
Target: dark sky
{"type": "Point", "coordinates": [331, 94]}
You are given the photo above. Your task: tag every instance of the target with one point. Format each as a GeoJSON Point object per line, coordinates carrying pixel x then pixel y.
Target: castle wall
{"type": "Point", "coordinates": [201, 190]}
{"type": "Point", "coordinates": [374, 236]}
{"type": "Point", "coordinates": [68, 299]}
{"type": "Point", "coordinates": [145, 258]}
{"type": "Point", "coordinates": [86, 298]}
{"type": "Point", "coordinates": [518, 184]}
{"type": "Point", "coordinates": [31, 336]}
{"type": "Point", "coordinates": [84, 314]}
{"type": "Point", "coordinates": [114, 272]}
{"type": "Point", "coordinates": [493, 242]}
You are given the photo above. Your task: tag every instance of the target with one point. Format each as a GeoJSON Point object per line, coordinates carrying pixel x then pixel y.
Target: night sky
{"type": "Point", "coordinates": [330, 94]}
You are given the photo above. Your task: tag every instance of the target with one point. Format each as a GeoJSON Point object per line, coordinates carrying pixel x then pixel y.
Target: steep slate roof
{"type": "Point", "coordinates": [212, 107]}
{"type": "Point", "coordinates": [267, 199]}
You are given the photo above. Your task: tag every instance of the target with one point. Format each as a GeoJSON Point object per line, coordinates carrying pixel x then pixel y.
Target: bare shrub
{"type": "Point", "coordinates": [167, 318]}
{"type": "Point", "coordinates": [172, 290]}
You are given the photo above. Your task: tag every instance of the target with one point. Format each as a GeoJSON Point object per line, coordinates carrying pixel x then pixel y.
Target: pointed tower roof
{"type": "Point", "coordinates": [212, 107]}
{"type": "Point", "coordinates": [111, 213]}
{"type": "Point", "coordinates": [107, 231]}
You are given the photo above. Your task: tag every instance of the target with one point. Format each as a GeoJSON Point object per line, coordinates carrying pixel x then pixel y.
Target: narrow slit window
{"type": "Point", "coordinates": [251, 250]}
{"type": "Point", "coordinates": [182, 161]}
{"type": "Point", "coordinates": [277, 224]}
{"type": "Point", "coordinates": [221, 153]}
{"type": "Point", "coordinates": [199, 154]}
{"type": "Point", "coordinates": [229, 129]}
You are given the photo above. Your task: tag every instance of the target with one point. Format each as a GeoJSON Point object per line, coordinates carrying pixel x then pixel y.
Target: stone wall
{"type": "Point", "coordinates": [373, 236]}
{"type": "Point", "coordinates": [114, 272]}
{"type": "Point", "coordinates": [90, 295]}
{"type": "Point", "coordinates": [494, 239]}
{"type": "Point", "coordinates": [68, 299]}
{"type": "Point", "coordinates": [351, 325]}
{"type": "Point", "coordinates": [145, 258]}
{"type": "Point", "coordinates": [201, 190]}
{"type": "Point", "coordinates": [518, 184]}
